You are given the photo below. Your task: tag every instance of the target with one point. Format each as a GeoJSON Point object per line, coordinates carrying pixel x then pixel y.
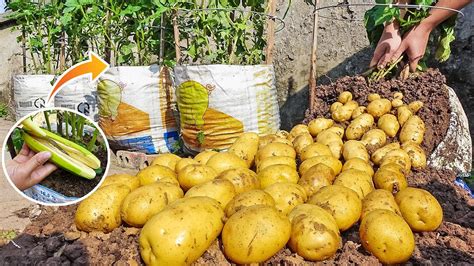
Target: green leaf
{"type": "Point", "coordinates": [443, 51]}
{"type": "Point", "coordinates": [200, 137]}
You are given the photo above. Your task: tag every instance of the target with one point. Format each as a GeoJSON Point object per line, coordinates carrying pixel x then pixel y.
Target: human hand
{"type": "Point", "coordinates": [28, 169]}
{"type": "Point", "coordinates": [388, 44]}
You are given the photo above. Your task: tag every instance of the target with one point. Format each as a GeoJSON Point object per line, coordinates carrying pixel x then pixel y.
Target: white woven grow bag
{"type": "Point", "coordinates": [80, 95]}
{"type": "Point", "coordinates": [30, 93]}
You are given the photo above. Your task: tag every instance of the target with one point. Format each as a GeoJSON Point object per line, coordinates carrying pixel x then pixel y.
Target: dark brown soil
{"type": "Point", "coordinates": [427, 87]}
{"type": "Point", "coordinates": [71, 185]}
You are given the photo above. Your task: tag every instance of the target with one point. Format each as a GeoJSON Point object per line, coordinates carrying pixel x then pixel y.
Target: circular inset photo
{"type": "Point", "coordinates": [55, 156]}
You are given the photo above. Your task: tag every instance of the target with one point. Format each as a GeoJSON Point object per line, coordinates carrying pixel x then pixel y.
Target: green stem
{"type": "Point", "coordinates": [91, 143]}
{"type": "Point", "coordinates": [46, 118]}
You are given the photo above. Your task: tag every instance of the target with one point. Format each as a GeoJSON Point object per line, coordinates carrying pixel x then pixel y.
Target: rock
{"type": "Point", "coordinates": [71, 236]}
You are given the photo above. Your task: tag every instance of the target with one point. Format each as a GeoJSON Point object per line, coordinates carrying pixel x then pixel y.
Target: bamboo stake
{"type": "Point", "coordinates": [176, 37]}
{"type": "Point", "coordinates": [270, 32]}
{"type": "Point", "coordinates": [62, 53]}
{"type": "Point", "coordinates": [23, 49]}
{"type": "Point", "coordinates": [312, 72]}
{"type": "Point", "coordinates": [162, 39]}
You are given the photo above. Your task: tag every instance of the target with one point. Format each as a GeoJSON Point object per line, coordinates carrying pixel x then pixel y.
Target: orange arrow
{"type": "Point", "coordinates": [94, 67]}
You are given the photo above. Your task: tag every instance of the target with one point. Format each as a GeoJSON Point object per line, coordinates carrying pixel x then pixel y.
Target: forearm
{"type": "Point", "coordinates": [439, 15]}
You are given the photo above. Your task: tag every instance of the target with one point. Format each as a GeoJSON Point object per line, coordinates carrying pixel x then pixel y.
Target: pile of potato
{"type": "Point", "coordinates": [299, 188]}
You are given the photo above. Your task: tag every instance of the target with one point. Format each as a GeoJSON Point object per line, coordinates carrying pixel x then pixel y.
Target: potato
{"type": "Point", "coordinates": [343, 204]}
{"type": "Point", "coordinates": [221, 190]}
{"type": "Point", "coordinates": [101, 210]}
{"type": "Point", "coordinates": [319, 124]}
{"type": "Point", "coordinates": [374, 138]}
{"type": "Point", "coordinates": [413, 130]}
{"type": "Point", "coordinates": [328, 135]}
{"type": "Point", "coordinates": [335, 106]}
{"type": "Point", "coordinates": [354, 149]}
{"type": "Point", "coordinates": [387, 236]}
{"type": "Point", "coordinates": [276, 160]}
{"type": "Point", "coordinates": [372, 97]}
{"type": "Point", "coordinates": [336, 148]}
{"type": "Point", "coordinates": [315, 178]}
{"type": "Point", "coordinates": [397, 156]}
{"type": "Point", "coordinates": [195, 174]}
{"type": "Point", "coordinates": [379, 107]}
{"type": "Point", "coordinates": [245, 147]}
{"type": "Point", "coordinates": [398, 95]}
{"type": "Point", "coordinates": [204, 156]}
{"type": "Point", "coordinates": [183, 163]}
{"type": "Point", "coordinates": [389, 124]}
{"type": "Point", "coordinates": [358, 111]}
{"type": "Point", "coordinates": [313, 150]}
{"type": "Point", "coordinates": [267, 139]}
{"type": "Point", "coordinates": [379, 199]}
{"type": "Point", "coordinates": [420, 209]}
{"type": "Point", "coordinates": [342, 114]}
{"type": "Point", "coordinates": [124, 179]}
{"type": "Point", "coordinates": [166, 159]}
{"type": "Point", "coordinates": [336, 129]}
{"type": "Point", "coordinates": [223, 161]}
{"type": "Point", "coordinates": [247, 199]}
{"type": "Point", "coordinates": [356, 180]}
{"type": "Point", "coordinates": [397, 103]}
{"type": "Point", "coordinates": [415, 106]}
{"type": "Point", "coordinates": [277, 173]}
{"type": "Point", "coordinates": [255, 234]}
{"type": "Point", "coordinates": [314, 233]}
{"type": "Point", "coordinates": [282, 134]}
{"type": "Point", "coordinates": [243, 179]}
{"type": "Point", "coordinates": [182, 232]}
{"type": "Point", "coordinates": [302, 141]}
{"type": "Point", "coordinates": [286, 195]}
{"type": "Point", "coordinates": [390, 180]}
{"type": "Point", "coordinates": [403, 113]}
{"type": "Point", "coordinates": [330, 161]}
{"type": "Point", "coordinates": [275, 149]}
{"type": "Point", "coordinates": [359, 126]}
{"type": "Point", "coordinates": [378, 155]}
{"type": "Point", "coordinates": [416, 153]}
{"type": "Point", "coordinates": [358, 164]}
{"type": "Point", "coordinates": [296, 131]}
{"type": "Point", "coordinates": [344, 97]}
{"type": "Point", "coordinates": [146, 201]}
{"type": "Point", "coordinates": [154, 173]}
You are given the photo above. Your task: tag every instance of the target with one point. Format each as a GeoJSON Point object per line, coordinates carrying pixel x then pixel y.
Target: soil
{"type": "Point", "coordinates": [71, 185]}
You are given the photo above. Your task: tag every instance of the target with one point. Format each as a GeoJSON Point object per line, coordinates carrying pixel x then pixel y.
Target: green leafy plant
{"type": "Point", "coordinates": [377, 16]}
{"type": "Point", "coordinates": [3, 110]}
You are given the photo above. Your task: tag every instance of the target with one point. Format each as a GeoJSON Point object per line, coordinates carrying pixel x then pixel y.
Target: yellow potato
{"type": "Point", "coordinates": [319, 124]}
{"type": "Point", "coordinates": [335, 106]}
{"type": "Point", "coordinates": [277, 173]}
{"type": "Point", "coordinates": [379, 199]}
{"type": "Point", "coordinates": [403, 113]}
{"type": "Point", "coordinates": [146, 201]}
{"type": "Point", "coordinates": [245, 147]}
{"type": "Point", "coordinates": [267, 139]}
{"type": "Point", "coordinates": [297, 130]}
{"type": "Point", "coordinates": [336, 148]}
{"type": "Point", "coordinates": [195, 174]}
{"type": "Point", "coordinates": [315, 178]}
{"type": "Point", "coordinates": [275, 149]}
{"type": "Point", "coordinates": [343, 204]}
{"type": "Point", "coordinates": [354, 149]}
{"type": "Point", "coordinates": [286, 195]}
{"type": "Point", "coordinates": [397, 103]}
{"type": "Point", "coordinates": [314, 233]}
{"type": "Point", "coordinates": [243, 179]}
{"type": "Point", "coordinates": [339, 130]}
{"type": "Point", "coordinates": [330, 161]}
{"type": "Point", "coordinates": [255, 234]}
{"type": "Point", "coordinates": [313, 150]}
{"type": "Point", "coordinates": [389, 124]}
{"type": "Point", "coordinates": [416, 153]}
{"type": "Point", "coordinates": [182, 232]}
{"type": "Point", "coordinates": [166, 159]}
{"type": "Point", "coordinates": [379, 107]}
{"type": "Point", "coordinates": [224, 161]}
{"type": "Point", "coordinates": [247, 199]}
{"type": "Point", "coordinates": [183, 163]}
{"type": "Point", "coordinates": [356, 180]}
{"type": "Point", "coordinates": [221, 190]}
{"type": "Point", "coordinates": [398, 95]}
{"type": "Point", "coordinates": [374, 138]}
{"type": "Point", "coordinates": [415, 106]}
{"type": "Point", "coordinates": [282, 134]}
{"type": "Point", "coordinates": [342, 113]}
{"type": "Point", "coordinates": [359, 126]}
{"type": "Point", "coordinates": [372, 97]}
{"type": "Point", "coordinates": [413, 130]}
{"type": "Point", "coordinates": [344, 97]}
{"type": "Point", "coordinates": [124, 179]}
{"type": "Point", "coordinates": [359, 164]}
{"type": "Point", "coordinates": [420, 209]}
{"type": "Point", "coordinates": [378, 155]}
{"type": "Point", "coordinates": [358, 111]}
{"type": "Point", "coordinates": [387, 236]}
{"type": "Point", "coordinates": [329, 135]}
{"type": "Point", "coordinates": [204, 156]}
{"type": "Point", "coordinates": [302, 141]}
{"type": "Point", "coordinates": [276, 160]}
{"type": "Point", "coordinates": [101, 210]}
{"type": "Point", "coordinates": [390, 180]}
{"type": "Point", "coordinates": [154, 173]}
{"type": "Point", "coordinates": [397, 156]}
